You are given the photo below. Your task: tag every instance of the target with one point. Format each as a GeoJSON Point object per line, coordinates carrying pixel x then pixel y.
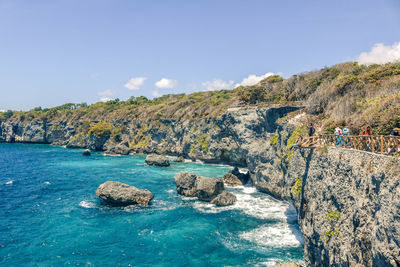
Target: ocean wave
{"type": "Point", "coordinates": [276, 235]}
{"type": "Point", "coordinates": [251, 203]}
{"type": "Point", "coordinates": [9, 182]}
{"type": "Point", "coordinates": [87, 204]}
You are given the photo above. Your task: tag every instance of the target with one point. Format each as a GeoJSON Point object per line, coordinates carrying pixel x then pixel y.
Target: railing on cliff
{"type": "Point", "coordinates": [382, 144]}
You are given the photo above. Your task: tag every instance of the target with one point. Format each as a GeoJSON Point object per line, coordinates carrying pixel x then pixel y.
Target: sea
{"type": "Point", "coordinates": [50, 215]}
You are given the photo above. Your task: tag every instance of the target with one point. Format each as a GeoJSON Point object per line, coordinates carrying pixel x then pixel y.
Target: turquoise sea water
{"type": "Point", "coordinates": [50, 215]}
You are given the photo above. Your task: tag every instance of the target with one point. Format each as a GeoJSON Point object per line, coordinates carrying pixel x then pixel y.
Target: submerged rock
{"type": "Point", "coordinates": [120, 194]}
{"type": "Point", "coordinates": [204, 188]}
{"type": "Point", "coordinates": [86, 152]}
{"type": "Point", "coordinates": [224, 199]}
{"type": "Point", "coordinates": [179, 159]}
{"type": "Point", "coordinates": [157, 160]}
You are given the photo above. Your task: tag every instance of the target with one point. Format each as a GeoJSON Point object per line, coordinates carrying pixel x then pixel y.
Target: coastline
{"type": "Point", "coordinates": [245, 136]}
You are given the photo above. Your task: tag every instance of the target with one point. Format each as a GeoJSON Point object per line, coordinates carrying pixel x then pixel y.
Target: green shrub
{"type": "Point", "coordinates": [202, 141]}
{"type": "Point", "coordinates": [100, 129]}
{"type": "Point", "coordinates": [274, 140]}
{"type": "Point", "coordinates": [296, 188]}
{"type": "Point", "coordinates": [292, 140]}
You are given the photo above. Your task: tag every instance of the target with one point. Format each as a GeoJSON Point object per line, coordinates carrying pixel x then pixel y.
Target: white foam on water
{"type": "Point", "coordinates": [87, 204]}
{"type": "Point", "coordinates": [271, 262]}
{"type": "Point", "coordinates": [251, 203]}
{"type": "Point", "coordinates": [243, 170]}
{"type": "Point", "coordinates": [276, 235]}
{"type": "Point", "coordinates": [280, 231]}
{"type": "Point", "coordinates": [47, 183]}
{"type": "Point", "coordinates": [9, 182]}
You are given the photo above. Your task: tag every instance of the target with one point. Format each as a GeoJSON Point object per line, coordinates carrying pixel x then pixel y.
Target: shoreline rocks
{"type": "Point", "coordinates": [235, 178]}
{"type": "Point", "coordinates": [86, 152]}
{"type": "Point", "coordinates": [157, 160]}
{"type": "Point", "coordinates": [204, 188]}
{"type": "Point", "coordinates": [120, 194]}
{"type": "Point", "coordinates": [179, 159]}
{"type": "Point", "coordinates": [224, 199]}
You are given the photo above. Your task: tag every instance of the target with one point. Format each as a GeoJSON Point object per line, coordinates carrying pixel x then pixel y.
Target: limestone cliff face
{"type": "Point", "coordinates": [347, 201]}
{"type": "Point", "coordinates": [348, 206]}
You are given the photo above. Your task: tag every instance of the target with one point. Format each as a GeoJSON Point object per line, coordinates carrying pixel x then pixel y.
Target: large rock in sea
{"type": "Point", "coordinates": [204, 188]}
{"type": "Point", "coordinates": [120, 194]}
{"type": "Point", "coordinates": [186, 183]}
{"type": "Point", "coordinates": [224, 199]}
{"type": "Point", "coordinates": [157, 160]}
{"type": "Point", "coordinates": [208, 188]}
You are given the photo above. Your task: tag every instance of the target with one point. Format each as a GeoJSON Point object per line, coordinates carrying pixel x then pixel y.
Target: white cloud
{"type": "Point", "coordinates": [105, 93]}
{"type": "Point", "coordinates": [253, 79]}
{"type": "Point", "coordinates": [105, 99]}
{"type": "Point", "coordinates": [135, 83]}
{"type": "Point", "coordinates": [156, 93]}
{"type": "Point", "coordinates": [380, 54]}
{"type": "Point", "coordinates": [217, 84]}
{"type": "Point", "coordinates": [166, 83]}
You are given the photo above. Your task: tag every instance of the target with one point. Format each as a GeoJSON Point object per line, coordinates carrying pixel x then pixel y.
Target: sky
{"type": "Point", "coordinates": [58, 51]}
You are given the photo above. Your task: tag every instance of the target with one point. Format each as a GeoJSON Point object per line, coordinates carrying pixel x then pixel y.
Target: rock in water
{"type": "Point", "coordinates": [287, 264]}
{"type": "Point", "coordinates": [179, 159]}
{"type": "Point", "coordinates": [120, 194]}
{"type": "Point", "coordinates": [231, 180]}
{"type": "Point", "coordinates": [186, 183]}
{"type": "Point", "coordinates": [86, 152]}
{"type": "Point", "coordinates": [208, 188]}
{"type": "Point", "coordinates": [157, 160]}
{"type": "Point", "coordinates": [243, 177]}
{"type": "Point", "coordinates": [224, 199]}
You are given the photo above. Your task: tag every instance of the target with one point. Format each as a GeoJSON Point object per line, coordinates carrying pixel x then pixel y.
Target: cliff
{"type": "Point", "coordinates": [347, 201]}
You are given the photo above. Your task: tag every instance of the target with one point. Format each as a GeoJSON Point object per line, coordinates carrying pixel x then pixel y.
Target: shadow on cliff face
{"type": "Point", "coordinates": [303, 204]}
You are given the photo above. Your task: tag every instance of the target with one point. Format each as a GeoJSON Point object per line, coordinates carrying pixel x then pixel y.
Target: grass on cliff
{"type": "Point", "coordinates": [347, 94]}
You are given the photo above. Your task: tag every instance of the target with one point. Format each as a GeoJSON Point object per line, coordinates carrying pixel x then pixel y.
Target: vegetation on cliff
{"type": "Point", "coordinates": [346, 94]}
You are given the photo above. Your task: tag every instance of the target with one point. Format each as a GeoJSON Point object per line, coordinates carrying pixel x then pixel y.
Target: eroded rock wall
{"type": "Point", "coordinates": [348, 201]}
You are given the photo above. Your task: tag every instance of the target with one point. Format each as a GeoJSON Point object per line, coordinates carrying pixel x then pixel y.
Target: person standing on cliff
{"type": "Point", "coordinates": [311, 130]}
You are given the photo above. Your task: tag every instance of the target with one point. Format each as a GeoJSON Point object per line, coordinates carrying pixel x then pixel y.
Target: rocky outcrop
{"type": "Point", "coordinates": [186, 183]}
{"type": "Point", "coordinates": [224, 199]}
{"type": "Point", "coordinates": [348, 206]}
{"type": "Point", "coordinates": [208, 188]}
{"type": "Point", "coordinates": [179, 159]}
{"type": "Point", "coordinates": [231, 180]}
{"type": "Point", "coordinates": [86, 152]}
{"type": "Point", "coordinates": [204, 188]}
{"type": "Point", "coordinates": [157, 160]}
{"type": "Point", "coordinates": [236, 178]}
{"type": "Point", "coordinates": [120, 194]}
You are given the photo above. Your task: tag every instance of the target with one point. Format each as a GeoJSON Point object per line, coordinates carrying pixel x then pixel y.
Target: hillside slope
{"type": "Point", "coordinates": [342, 95]}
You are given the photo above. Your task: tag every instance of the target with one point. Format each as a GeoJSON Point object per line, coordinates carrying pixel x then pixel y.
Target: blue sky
{"type": "Point", "coordinates": [58, 51]}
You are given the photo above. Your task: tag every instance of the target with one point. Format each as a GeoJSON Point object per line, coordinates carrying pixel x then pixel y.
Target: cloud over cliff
{"type": "Point", "coordinates": [380, 54]}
